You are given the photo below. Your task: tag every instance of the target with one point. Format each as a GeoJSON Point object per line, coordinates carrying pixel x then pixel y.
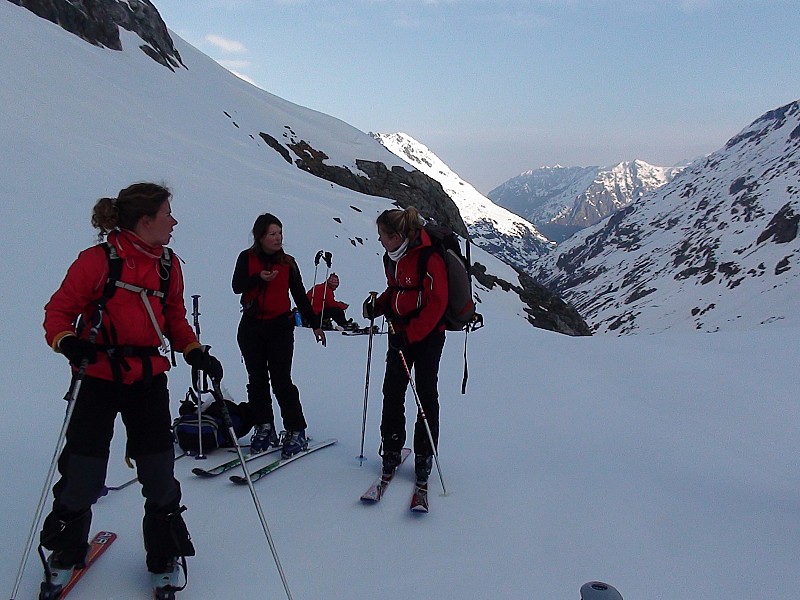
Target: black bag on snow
{"type": "Point", "coordinates": [211, 426]}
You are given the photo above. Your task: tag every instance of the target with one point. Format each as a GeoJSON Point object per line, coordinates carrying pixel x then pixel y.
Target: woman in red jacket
{"type": "Point", "coordinates": [141, 303]}
{"type": "Point", "coordinates": [265, 275]}
{"type": "Point", "coordinates": [414, 303]}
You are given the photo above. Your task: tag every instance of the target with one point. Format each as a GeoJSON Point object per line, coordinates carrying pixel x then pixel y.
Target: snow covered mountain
{"type": "Point", "coordinates": [714, 249]}
{"type": "Point", "coordinates": [493, 228]}
{"type": "Point", "coordinates": [618, 465]}
{"type": "Point", "coordinates": [562, 200]}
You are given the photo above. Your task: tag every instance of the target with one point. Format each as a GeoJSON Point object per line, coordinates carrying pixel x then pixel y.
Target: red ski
{"type": "Point", "coordinates": [101, 541]}
{"type": "Point", "coordinates": [375, 491]}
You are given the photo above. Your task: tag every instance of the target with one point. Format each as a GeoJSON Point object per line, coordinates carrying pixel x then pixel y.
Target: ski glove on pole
{"type": "Point", "coordinates": [76, 350]}
{"type": "Point", "coordinates": [200, 359]}
{"type": "Point", "coordinates": [368, 308]}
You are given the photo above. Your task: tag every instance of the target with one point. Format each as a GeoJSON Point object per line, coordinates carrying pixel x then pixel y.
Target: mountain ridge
{"type": "Point", "coordinates": [714, 249]}
{"type": "Point", "coordinates": [562, 200]}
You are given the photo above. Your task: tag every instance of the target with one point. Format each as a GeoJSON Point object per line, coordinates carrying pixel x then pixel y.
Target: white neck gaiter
{"type": "Point", "coordinates": [396, 255]}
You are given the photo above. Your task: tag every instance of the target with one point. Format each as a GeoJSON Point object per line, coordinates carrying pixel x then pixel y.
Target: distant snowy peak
{"type": "Point", "coordinates": [497, 230]}
{"type": "Point", "coordinates": [561, 200]}
{"type": "Point", "coordinates": [716, 248]}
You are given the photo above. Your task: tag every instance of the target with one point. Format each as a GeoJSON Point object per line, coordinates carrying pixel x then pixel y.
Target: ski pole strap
{"type": "Point", "coordinates": [466, 370]}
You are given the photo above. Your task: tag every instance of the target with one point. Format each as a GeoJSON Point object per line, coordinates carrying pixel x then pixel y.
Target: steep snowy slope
{"type": "Point", "coordinates": [715, 249]}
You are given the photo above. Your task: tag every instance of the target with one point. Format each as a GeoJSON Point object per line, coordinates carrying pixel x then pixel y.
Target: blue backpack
{"type": "Point", "coordinates": [188, 428]}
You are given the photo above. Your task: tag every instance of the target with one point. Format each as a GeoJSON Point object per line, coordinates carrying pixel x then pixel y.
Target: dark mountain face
{"type": "Point", "coordinates": [98, 22]}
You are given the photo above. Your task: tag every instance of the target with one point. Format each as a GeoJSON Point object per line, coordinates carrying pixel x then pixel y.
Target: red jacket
{"type": "Point", "coordinates": [269, 300]}
{"type": "Point", "coordinates": [125, 310]}
{"type": "Point", "coordinates": [415, 307]}
{"type": "Point", "coordinates": [315, 296]}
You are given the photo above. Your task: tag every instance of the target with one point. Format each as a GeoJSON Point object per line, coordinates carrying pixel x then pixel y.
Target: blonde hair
{"type": "Point", "coordinates": [404, 222]}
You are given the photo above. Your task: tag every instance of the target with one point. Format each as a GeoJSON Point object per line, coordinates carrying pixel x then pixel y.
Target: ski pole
{"type": "Point", "coordinates": [372, 296]}
{"type": "Point", "coordinates": [226, 417]}
{"type": "Point", "coordinates": [422, 414]}
{"type": "Point", "coordinates": [97, 320]}
{"type": "Point", "coordinates": [317, 258]}
{"type": "Point", "coordinates": [325, 288]}
{"type": "Point", "coordinates": [196, 315]}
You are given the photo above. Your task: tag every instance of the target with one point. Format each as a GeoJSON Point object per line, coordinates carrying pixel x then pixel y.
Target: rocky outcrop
{"type": "Point", "coordinates": [98, 22]}
{"type": "Point", "coordinates": [406, 188]}
{"type": "Point", "coordinates": [545, 309]}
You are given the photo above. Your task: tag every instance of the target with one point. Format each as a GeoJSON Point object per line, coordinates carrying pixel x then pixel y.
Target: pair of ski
{"type": "Point", "coordinates": [361, 331]}
{"type": "Point", "coordinates": [419, 498]}
{"type": "Point", "coordinates": [263, 471]}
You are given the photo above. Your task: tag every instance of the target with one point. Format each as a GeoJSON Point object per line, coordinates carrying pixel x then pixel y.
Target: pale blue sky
{"type": "Point", "coordinates": [496, 87]}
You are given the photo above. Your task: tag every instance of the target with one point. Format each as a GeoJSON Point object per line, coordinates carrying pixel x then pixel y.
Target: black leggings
{"type": "Point", "coordinates": [423, 357]}
{"type": "Point", "coordinates": [267, 347]}
{"type": "Point", "coordinates": [144, 407]}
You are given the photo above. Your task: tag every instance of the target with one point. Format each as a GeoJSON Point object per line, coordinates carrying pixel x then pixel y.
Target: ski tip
{"type": "Point", "coordinates": [597, 590]}
{"type": "Point", "coordinates": [201, 472]}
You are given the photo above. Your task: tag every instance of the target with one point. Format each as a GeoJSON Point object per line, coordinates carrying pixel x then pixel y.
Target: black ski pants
{"type": "Point", "coordinates": [267, 347]}
{"type": "Point", "coordinates": [334, 313]}
{"type": "Point", "coordinates": [144, 408]}
{"type": "Point", "coordinates": [423, 357]}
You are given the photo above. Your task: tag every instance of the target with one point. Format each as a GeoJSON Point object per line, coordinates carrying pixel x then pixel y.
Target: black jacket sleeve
{"type": "Point", "coordinates": [242, 281]}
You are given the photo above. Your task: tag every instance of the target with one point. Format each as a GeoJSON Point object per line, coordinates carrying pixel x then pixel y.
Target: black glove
{"type": "Point", "coordinates": [77, 350]}
{"type": "Point", "coordinates": [398, 340]}
{"type": "Point", "coordinates": [368, 309]}
{"type": "Point", "coordinates": [201, 360]}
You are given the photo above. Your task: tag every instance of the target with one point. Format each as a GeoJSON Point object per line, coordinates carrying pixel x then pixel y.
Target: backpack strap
{"type": "Point", "coordinates": [117, 353]}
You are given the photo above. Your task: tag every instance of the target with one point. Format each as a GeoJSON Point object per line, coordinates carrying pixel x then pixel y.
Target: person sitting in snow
{"type": "Point", "coordinates": [326, 307]}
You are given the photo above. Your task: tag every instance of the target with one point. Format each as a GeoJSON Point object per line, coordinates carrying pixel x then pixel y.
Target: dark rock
{"type": "Point", "coordinates": [545, 309]}
{"type": "Point", "coordinates": [98, 22]}
{"type": "Point", "coordinates": [782, 228]}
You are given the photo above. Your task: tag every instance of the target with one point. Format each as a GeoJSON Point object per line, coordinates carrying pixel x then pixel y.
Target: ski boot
{"type": "Point", "coordinates": [55, 580]}
{"type": "Point", "coordinates": [264, 437]}
{"type": "Point", "coordinates": [167, 583]}
{"type": "Point", "coordinates": [419, 500]}
{"type": "Point", "coordinates": [391, 460]}
{"type": "Point", "coordinates": [293, 443]}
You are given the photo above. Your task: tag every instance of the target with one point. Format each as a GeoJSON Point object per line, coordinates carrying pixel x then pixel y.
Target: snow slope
{"type": "Point", "coordinates": [663, 464]}
{"type": "Point", "coordinates": [715, 249]}
{"type": "Point", "coordinates": [499, 231]}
